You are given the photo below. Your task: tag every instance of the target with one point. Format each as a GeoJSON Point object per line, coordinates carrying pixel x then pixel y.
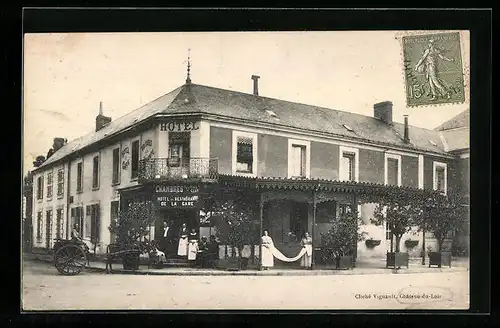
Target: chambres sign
{"type": "Point", "coordinates": [173, 196]}
{"type": "Point", "coordinates": [180, 126]}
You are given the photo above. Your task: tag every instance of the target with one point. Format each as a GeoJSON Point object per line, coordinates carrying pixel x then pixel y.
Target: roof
{"type": "Point", "coordinates": [458, 121]}
{"type": "Point", "coordinates": [115, 126]}
{"type": "Point", "coordinates": [362, 189]}
{"type": "Point", "coordinates": [456, 131]}
{"type": "Point", "coordinates": [457, 139]}
{"type": "Point", "coordinates": [200, 99]}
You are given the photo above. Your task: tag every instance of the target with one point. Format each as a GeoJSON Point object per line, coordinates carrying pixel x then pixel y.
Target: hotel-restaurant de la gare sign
{"type": "Point", "coordinates": [175, 196]}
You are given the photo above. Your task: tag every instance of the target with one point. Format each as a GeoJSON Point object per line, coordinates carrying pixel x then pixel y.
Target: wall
{"type": "Point", "coordinates": [324, 161]}
{"type": "Point", "coordinates": [103, 195]}
{"type": "Point", "coordinates": [54, 203]}
{"type": "Point", "coordinates": [371, 166]}
{"type": "Point", "coordinates": [273, 153]}
{"type": "Point", "coordinates": [221, 148]}
{"type": "Point", "coordinates": [409, 171]}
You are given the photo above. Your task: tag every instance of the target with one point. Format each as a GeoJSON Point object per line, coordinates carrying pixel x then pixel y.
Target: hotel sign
{"type": "Point", "coordinates": [168, 196]}
{"type": "Point", "coordinates": [179, 126]}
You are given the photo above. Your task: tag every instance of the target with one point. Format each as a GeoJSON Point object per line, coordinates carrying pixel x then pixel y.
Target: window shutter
{"type": "Point", "coordinates": [98, 222]}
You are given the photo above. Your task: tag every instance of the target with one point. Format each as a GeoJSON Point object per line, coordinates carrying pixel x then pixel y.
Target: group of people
{"type": "Point", "coordinates": [187, 245]}
{"type": "Point", "coordinates": [269, 252]}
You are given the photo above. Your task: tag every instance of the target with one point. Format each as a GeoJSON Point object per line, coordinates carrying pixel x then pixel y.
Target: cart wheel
{"type": "Point", "coordinates": [70, 260]}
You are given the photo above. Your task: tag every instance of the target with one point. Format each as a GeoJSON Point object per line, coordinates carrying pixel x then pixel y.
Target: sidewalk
{"type": "Point", "coordinates": [363, 267]}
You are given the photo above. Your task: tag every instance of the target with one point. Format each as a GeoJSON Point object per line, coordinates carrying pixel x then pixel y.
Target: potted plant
{"type": "Point", "coordinates": [133, 224]}
{"type": "Point", "coordinates": [442, 216]}
{"type": "Point", "coordinates": [340, 242]}
{"type": "Point", "coordinates": [237, 225]}
{"type": "Point", "coordinates": [372, 243]}
{"type": "Point", "coordinates": [411, 243]}
{"type": "Point", "coordinates": [400, 213]}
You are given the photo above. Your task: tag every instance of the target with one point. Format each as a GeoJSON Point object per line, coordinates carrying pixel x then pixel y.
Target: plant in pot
{"type": "Point", "coordinates": [340, 242]}
{"type": "Point", "coordinates": [237, 225]}
{"type": "Point", "coordinates": [132, 226]}
{"type": "Point", "coordinates": [442, 215]}
{"type": "Point", "coordinates": [400, 213]}
{"type": "Point", "coordinates": [411, 243]}
{"type": "Point", "coordinates": [372, 243]}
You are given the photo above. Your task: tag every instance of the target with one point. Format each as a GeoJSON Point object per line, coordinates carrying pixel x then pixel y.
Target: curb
{"type": "Point", "coordinates": [92, 268]}
{"type": "Point", "coordinates": [277, 273]}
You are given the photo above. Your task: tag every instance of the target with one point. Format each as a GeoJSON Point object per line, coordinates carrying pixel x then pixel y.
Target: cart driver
{"type": "Point", "coordinates": [75, 234]}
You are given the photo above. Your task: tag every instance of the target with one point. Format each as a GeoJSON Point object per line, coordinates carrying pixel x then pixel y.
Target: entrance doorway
{"type": "Point", "coordinates": [175, 218]}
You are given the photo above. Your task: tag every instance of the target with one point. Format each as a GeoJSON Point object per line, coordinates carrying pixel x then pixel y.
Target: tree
{"type": "Point", "coordinates": [442, 215]}
{"type": "Point", "coordinates": [134, 222]}
{"type": "Point", "coordinates": [400, 212]}
{"type": "Point", "coordinates": [342, 238]}
{"type": "Point", "coordinates": [236, 220]}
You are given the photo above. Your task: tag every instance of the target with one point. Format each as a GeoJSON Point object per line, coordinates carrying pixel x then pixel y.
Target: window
{"type": "Point", "coordinates": [178, 145]}
{"type": "Point", "coordinates": [48, 231]}
{"type": "Point", "coordinates": [298, 161]}
{"type": "Point", "coordinates": [115, 205]}
{"type": "Point", "coordinates": [347, 164]}
{"type": "Point", "coordinates": [95, 172]}
{"type": "Point", "coordinates": [50, 180]}
{"type": "Point", "coordinates": [388, 233]}
{"type": "Point", "coordinates": [244, 156]}
{"type": "Point", "coordinates": [92, 223]}
{"type": "Point", "coordinates": [59, 223]}
{"type": "Point", "coordinates": [60, 182]}
{"type": "Point", "coordinates": [244, 150]}
{"type": "Point", "coordinates": [39, 188]}
{"type": "Point", "coordinates": [39, 227]}
{"type": "Point", "coordinates": [135, 159]}
{"type": "Point", "coordinates": [79, 177]}
{"type": "Point", "coordinates": [326, 212]}
{"type": "Point", "coordinates": [392, 170]}
{"type": "Point", "coordinates": [116, 166]}
{"type": "Point", "coordinates": [298, 158]}
{"type": "Point", "coordinates": [440, 177]}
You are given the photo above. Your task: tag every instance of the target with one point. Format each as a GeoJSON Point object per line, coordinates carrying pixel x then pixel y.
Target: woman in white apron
{"type": "Point", "coordinates": [306, 261]}
{"type": "Point", "coordinates": [267, 252]}
{"type": "Point", "coordinates": [183, 241]}
{"type": "Point", "coordinates": [192, 245]}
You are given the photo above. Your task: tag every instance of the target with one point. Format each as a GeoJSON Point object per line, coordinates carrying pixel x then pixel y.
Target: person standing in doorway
{"type": "Point", "coordinates": [166, 238]}
{"type": "Point", "coordinates": [182, 249]}
{"type": "Point", "coordinates": [306, 261]}
{"type": "Point", "coordinates": [193, 245]}
{"type": "Point", "coordinates": [267, 251]}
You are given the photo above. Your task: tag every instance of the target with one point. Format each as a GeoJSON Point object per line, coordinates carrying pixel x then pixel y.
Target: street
{"type": "Point", "coordinates": [45, 289]}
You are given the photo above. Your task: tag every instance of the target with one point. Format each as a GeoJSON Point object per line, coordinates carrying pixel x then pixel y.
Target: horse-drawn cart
{"type": "Point", "coordinates": [70, 256]}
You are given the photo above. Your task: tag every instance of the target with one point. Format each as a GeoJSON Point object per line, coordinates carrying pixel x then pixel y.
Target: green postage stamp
{"type": "Point", "coordinates": [433, 69]}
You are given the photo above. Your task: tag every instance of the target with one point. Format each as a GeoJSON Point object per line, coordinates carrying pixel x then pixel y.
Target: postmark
{"type": "Point", "coordinates": [433, 69]}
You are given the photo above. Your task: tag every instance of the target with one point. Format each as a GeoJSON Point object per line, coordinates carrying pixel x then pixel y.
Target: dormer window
{"type": "Point", "coordinates": [271, 113]}
{"type": "Point", "coordinates": [347, 127]}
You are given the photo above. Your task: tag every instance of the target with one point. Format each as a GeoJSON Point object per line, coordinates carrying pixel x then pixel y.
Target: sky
{"type": "Point", "coordinates": [67, 75]}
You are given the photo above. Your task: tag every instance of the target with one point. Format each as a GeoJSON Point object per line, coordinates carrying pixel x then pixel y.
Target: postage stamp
{"type": "Point", "coordinates": [433, 69]}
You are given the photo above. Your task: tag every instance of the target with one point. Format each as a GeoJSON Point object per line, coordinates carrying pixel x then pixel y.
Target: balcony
{"type": "Point", "coordinates": [175, 168]}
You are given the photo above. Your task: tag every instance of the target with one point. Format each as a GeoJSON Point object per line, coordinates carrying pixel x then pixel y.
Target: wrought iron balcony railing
{"type": "Point", "coordinates": [175, 168]}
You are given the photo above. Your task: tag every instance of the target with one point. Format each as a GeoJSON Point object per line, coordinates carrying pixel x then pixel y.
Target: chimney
{"type": "Point", "coordinates": [406, 136]}
{"type": "Point", "coordinates": [255, 79]}
{"type": "Point", "coordinates": [383, 111]}
{"type": "Point", "coordinates": [101, 120]}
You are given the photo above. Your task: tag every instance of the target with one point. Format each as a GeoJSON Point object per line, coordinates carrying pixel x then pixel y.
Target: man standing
{"type": "Point", "coordinates": [166, 239]}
